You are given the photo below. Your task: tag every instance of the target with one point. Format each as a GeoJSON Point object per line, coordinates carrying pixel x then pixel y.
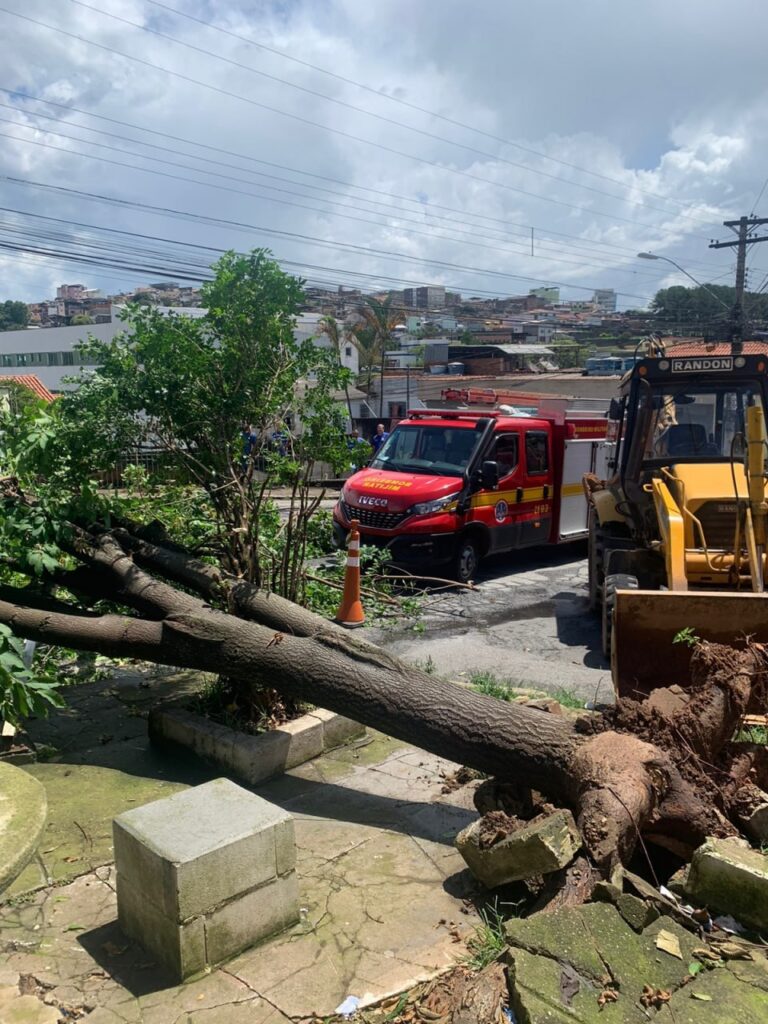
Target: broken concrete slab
{"type": "Point", "coordinates": [19, 1009]}
{"type": "Point", "coordinates": [729, 878]}
{"type": "Point", "coordinates": [597, 942]}
{"type": "Point", "coordinates": [560, 963]}
{"type": "Point", "coordinates": [638, 913]}
{"type": "Point", "coordinates": [23, 812]}
{"type": "Point", "coordinates": [716, 997]}
{"type": "Point", "coordinates": [546, 844]}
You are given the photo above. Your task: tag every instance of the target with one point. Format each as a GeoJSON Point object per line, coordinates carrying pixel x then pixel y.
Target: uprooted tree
{"type": "Point", "coordinates": [173, 609]}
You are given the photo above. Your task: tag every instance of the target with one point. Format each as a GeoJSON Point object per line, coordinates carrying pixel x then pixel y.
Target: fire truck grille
{"type": "Point", "coordinates": [718, 520]}
{"type": "Point", "coordinates": [373, 517]}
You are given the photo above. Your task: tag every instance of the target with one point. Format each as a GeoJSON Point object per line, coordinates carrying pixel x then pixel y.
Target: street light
{"type": "Point", "coordinates": [653, 256]}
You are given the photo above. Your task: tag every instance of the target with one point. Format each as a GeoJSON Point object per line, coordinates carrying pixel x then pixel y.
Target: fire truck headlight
{"type": "Point", "coordinates": [426, 508]}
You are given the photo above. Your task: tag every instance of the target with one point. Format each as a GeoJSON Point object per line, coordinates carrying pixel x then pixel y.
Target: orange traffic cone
{"type": "Point", "coordinates": [350, 611]}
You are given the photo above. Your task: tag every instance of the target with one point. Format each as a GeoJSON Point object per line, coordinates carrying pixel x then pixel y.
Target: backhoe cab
{"type": "Point", "coordinates": [677, 540]}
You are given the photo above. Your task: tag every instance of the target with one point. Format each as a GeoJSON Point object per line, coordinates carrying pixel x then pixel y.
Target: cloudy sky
{"type": "Point", "coordinates": [384, 142]}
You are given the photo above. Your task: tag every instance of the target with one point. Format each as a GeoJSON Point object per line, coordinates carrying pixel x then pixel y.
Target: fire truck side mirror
{"type": "Point", "coordinates": [489, 474]}
{"type": "Point", "coordinates": [615, 409]}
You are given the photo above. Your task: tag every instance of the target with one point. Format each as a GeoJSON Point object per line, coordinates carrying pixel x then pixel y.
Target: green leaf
{"type": "Point", "coordinates": [694, 969]}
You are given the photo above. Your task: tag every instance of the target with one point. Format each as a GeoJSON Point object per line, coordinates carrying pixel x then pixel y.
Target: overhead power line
{"type": "Point", "coordinates": [323, 127]}
{"type": "Point", "coordinates": [112, 255]}
{"type": "Point", "coordinates": [483, 243]}
{"type": "Point", "coordinates": [297, 236]}
{"type": "Point", "coordinates": [411, 106]}
{"type": "Point", "coordinates": [380, 117]}
{"type": "Point", "coordinates": [425, 208]}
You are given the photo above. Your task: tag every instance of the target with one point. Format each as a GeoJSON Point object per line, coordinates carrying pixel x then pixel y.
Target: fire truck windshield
{"type": "Point", "coordinates": [425, 448]}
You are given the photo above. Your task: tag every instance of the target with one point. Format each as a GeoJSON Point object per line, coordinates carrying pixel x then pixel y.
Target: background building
{"type": "Point", "coordinates": [605, 299]}
{"type": "Point", "coordinates": [429, 297]}
{"type": "Point", "coordinates": [546, 294]}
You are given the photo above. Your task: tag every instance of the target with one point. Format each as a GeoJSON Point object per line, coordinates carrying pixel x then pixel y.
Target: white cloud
{"type": "Point", "coordinates": [661, 98]}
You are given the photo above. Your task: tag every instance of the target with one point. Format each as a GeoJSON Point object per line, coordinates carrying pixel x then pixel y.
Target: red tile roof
{"type": "Point", "coordinates": [33, 383]}
{"type": "Point", "coordinates": [716, 348]}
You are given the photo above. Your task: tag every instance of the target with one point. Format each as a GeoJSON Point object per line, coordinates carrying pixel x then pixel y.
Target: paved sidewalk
{"type": "Point", "coordinates": [383, 892]}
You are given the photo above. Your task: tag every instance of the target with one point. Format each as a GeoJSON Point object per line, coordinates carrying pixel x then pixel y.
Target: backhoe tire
{"type": "Point", "coordinates": [612, 583]}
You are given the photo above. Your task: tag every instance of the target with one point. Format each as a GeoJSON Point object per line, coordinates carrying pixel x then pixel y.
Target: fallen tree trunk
{"type": "Point", "coordinates": [619, 783]}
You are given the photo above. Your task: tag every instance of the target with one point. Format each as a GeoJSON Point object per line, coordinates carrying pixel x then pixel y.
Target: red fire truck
{"type": "Point", "coordinates": [451, 486]}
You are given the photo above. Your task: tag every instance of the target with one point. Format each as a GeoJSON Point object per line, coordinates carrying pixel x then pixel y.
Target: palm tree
{"type": "Point", "coordinates": [377, 322]}
{"type": "Point", "coordinates": [329, 326]}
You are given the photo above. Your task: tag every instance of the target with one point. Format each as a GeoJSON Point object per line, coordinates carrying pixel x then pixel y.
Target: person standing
{"type": "Point", "coordinates": [359, 455]}
{"type": "Point", "coordinates": [250, 444]}
{"type": "Point", "coordinates": [379, 437]}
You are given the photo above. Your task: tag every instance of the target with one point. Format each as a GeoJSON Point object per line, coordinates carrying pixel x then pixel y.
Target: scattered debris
{"type": "Point", "coordinates": [669, 943]}
{"type": "Point", "coordinates": [461, 777]}
{"type": "Point", "coordinates": [608, 995]}
{"type": "Point", "coordinates": [655, 997]}
{"type": "Point", "coordinates": [348, 1007]}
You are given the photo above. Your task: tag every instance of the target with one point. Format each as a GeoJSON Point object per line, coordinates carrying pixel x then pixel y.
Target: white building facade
{"type": "Point", "coordinates": [51, 353]}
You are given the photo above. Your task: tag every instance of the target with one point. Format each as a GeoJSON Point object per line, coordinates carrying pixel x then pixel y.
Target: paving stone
{"type": "Point", "coordinates": [376, 866]}
{"type": "Point", "coordinates": [539, 848]}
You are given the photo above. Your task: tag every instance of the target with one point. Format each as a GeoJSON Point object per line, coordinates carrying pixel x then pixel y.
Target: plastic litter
{"type": "Point", "coordinates": [348, 1007]}
{"type": "Point", "coordinates": [509, 1014]}
{"type": "Point", "coordinates": [729, 924]}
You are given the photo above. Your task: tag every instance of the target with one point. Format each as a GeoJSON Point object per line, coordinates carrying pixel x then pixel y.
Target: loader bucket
{"type": "Point", "coordinates": [646, 622]}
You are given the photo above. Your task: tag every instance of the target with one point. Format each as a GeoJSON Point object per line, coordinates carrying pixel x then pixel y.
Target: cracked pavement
{"type": "Point", "coordinates": [383, 892]}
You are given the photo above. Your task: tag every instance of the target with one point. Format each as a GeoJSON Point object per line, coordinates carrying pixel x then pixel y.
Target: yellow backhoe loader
{"type": "Point", "coordinates": [677, 540]}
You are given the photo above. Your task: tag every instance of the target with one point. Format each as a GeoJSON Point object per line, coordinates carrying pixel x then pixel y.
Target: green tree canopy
{"type": "Point", "coordinates": [231, 399]}
{"type": "Point", "coordinates": [681, 305]}
{"type": "Point", "coordinates": [13, 315]}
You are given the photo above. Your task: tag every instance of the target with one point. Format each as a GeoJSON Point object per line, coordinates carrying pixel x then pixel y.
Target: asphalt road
{"type": "Point", "coordinates": [527, 622]}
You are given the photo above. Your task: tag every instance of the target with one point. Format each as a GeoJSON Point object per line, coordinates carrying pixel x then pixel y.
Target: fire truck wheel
{"type": "Point", "coordinates": [466, 560]}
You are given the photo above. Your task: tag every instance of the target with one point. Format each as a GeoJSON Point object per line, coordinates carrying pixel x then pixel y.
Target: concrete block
{"type": "Point", "coordinates": [336, 728]}
{"type": "Point", "coordinates": [175, 725]}
{"type": "Point", "coordinates": [253, 758]}
{"type": "Point", "coordinates": [543, 846]}
{"type": "Point", "coordinates": [729, 878]}
{"type": "Point", "coordinates": [251, 918]}
{"type": "Point", "coordinates": [305, 737]}
{"type": "Point", "coordinates": [178, 946]}
{"type": "Point", "coordinates": [256, 758]}
{"type": "Point", "coordinates": [285, 846]}
{"type": "Point", "coordinates": [182, 860]}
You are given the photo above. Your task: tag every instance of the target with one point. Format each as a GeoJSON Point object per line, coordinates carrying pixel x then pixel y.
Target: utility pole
{"type": "Point", "coordinates": [741, 227]}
